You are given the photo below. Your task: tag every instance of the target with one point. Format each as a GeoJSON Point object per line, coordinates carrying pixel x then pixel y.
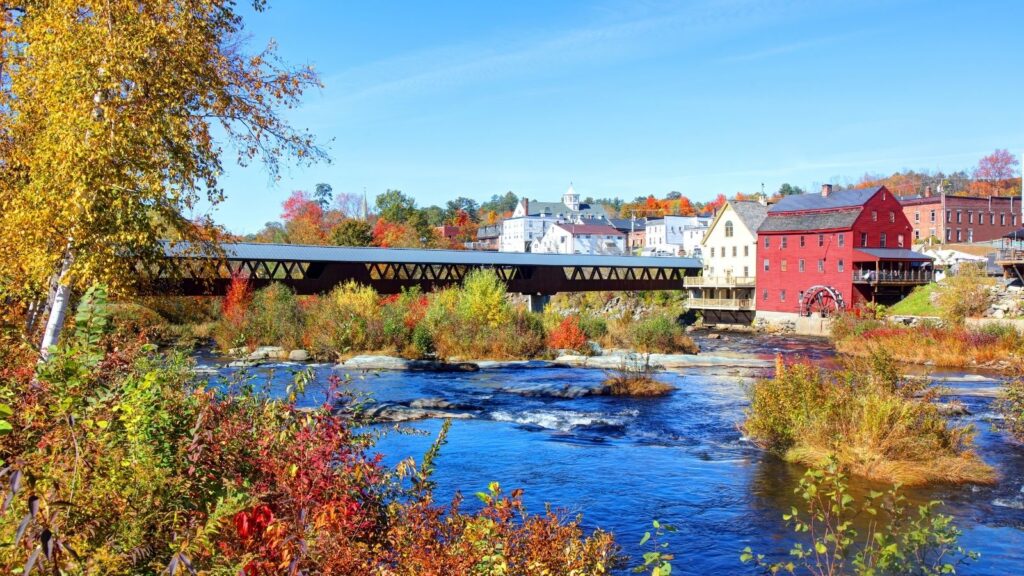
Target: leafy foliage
{"type": "Point", "coordinates": [894, 540]}
{"type": "Point", "coordinates": [126, 463]}
{"type": "Point", "coordinates": [657, 561]}
{"type": "Point", "coordinates": [112, 122]}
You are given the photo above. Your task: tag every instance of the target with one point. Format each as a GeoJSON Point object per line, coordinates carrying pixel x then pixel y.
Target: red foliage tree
{"type": "Point", "coordinates": [996, 174]}
{"type": "Point", "coordinates": [568, 335]}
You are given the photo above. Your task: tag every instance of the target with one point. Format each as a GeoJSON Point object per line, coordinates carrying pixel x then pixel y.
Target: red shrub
{"type": "Point", "coordinates": [568, 335]}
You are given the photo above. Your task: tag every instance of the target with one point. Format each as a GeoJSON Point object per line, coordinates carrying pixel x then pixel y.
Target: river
{"type": "Point", "coordinates": [680, 459]}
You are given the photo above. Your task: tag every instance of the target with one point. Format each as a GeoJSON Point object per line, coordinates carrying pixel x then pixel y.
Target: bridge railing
{"type": "Point", "coordinates": [722, 303]}
{"type": "Point", "coordinates": [869, 276]}
{"type": "Point", "coordinates": [720, 281]}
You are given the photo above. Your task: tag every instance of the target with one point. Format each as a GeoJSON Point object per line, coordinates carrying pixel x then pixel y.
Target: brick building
{"type": "Point", "coordinates": [961, 218]}
{"type": "Point", "coordinates": [817, 253]}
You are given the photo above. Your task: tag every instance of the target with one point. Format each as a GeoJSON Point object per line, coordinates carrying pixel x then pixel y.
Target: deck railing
{"type": "Point", "coordinates": [719, 281]}
{"type": "Point", "coordinates": [870, 276]}
{"type": "Point", "coordinates": [722, 303]}
{"type": "Point", "coordinates": [1011, 255]}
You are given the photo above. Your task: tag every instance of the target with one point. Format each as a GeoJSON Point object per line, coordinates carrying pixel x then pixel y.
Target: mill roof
{"type": "Point", "coordinates": [837, 199]}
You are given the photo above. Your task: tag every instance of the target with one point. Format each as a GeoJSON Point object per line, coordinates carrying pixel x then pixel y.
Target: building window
{"type": "Point", "coordinates": [842, 240]}
{"type": "Point", "coordinates": [970, 216]}
{"type": "Point", "coordinates": [881, 240]}
{"type": "Point", "coordinates": [958, 237]}
{"type": "Point", "coordinates": [765, 264]}
{"type": "Point", "coordinates": [712, 251]}
{"type": "Point", "coordinates": [746, 272]}
{"type": "Point", "coordinates": [801, 264]}
{"type": "Point", "coordinates": [801, 241]}
{"type": "Point", "coordinates": [863, 239]}
{"type": "Point", "coordinates": [733, 251]}
{"type": "Point", "coordinates": [899, 240]}
{"type": "Point", "coordinates": [949, 234]}
{"type": "Point", "coordinates": [949, 216]}
{"type": "Point", "coordinates": [821, 240]}
{"type": "Point", "coordinates": [970, 234]}
{"type": "Point", "coordinates": [992, 218]}
{"type": "Point", "coordinates": [821, 264]}
{"type": "Point", "coordinates": [917, 216]}
{"type": "Point", "coordinates": [784, 242]}
{"type": "Point", "coordinates": [764, 295]}
{"type": "Point", "coordinates": [782, 265]}
{"type": "Point", "coordinates": [728, 229]}
{"type": "Point", "coordinates": [874, 215]}
{"type": "Point", "coordinates": [933, 216]}
{"type": "Point", "coordinates": [839, 266]}
{"type": "Point", "coordinates": [746, 250]}
{"type": "Point", "coordinates": [801, 295]}
{"type": "Point", "coordinates": [767, 241]}
{"type": "Point", "coordinates": [892, 216]}
{"type": "Point", "coordinates": [959, 216]}
{"type": "Point", "coordinates": [917, 234]}
{"type": "Point", "coordinates": [1002, 219]}
{"type": "Point", "coordinates": [782, 295]}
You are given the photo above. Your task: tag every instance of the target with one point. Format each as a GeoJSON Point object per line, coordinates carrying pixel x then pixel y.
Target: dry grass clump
{"type": "Point", "coordinates": [877, 425]}
{"type": "Point", "coordinates": [946, 346]}
{"type": "Point", "coordinates": [618, 385]}
{"type": "Point", "coordinates": [634, 377]}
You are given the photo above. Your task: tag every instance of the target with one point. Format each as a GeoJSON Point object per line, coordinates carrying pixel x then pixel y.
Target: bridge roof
{"type": "Point", "coordinates": [302, 253]}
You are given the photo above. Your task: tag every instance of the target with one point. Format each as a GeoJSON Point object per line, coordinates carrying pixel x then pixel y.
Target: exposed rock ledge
{"type": "Point", "coordinates": [609, 360]}
{"type": "Point", "coordinates": [396, 363]}
{"type": "Point", "coordinates": [667, 361]}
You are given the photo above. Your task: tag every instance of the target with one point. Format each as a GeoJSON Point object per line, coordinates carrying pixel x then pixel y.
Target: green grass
{"type": "Point", "coordinates": [917, 303]}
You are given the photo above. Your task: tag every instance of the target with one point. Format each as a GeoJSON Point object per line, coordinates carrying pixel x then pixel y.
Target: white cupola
{"type": "Point", "coordinates": [571, 199]}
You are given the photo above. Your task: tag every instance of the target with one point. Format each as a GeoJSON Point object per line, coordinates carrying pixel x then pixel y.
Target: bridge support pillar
{"type": "Point", "coordinates": [538, 301]}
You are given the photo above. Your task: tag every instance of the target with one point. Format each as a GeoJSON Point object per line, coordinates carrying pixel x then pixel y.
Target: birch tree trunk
{"type": "Point", "coordinates": [58, 308]}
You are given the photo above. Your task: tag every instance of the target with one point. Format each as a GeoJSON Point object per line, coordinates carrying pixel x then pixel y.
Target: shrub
{"type": "Point", "coordinates": [593, 326]}
{"type": "Point", "coordinates": [568, 336]}
{"type": "Point", "coordinates": [660, 334]}
{"type": "Point", "coordinates": [964, 294]}
{"type": "Point", "coordinates": [273, 317]}
{"type": "Point", "coordinates": [896, 541]}
{"type": "Point", "coordinates": [877, 425]}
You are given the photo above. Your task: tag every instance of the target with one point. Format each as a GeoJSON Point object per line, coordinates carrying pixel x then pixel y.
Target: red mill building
{"type": "Point", "coordinates": [961, 218]}
{"type": "Point", "coordinates": [820, 253]}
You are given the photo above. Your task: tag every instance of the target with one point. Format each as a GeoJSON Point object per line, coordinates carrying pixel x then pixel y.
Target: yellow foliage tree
{"type": "Point", "coordinates": [113, 114]}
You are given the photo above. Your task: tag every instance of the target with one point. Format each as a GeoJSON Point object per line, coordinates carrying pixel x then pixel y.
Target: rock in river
{"type": "Point", "coordinates": [399, 413]}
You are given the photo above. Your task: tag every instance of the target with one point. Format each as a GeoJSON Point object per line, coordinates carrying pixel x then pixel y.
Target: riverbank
{"type": "Point", "coordinates": [990, 346]}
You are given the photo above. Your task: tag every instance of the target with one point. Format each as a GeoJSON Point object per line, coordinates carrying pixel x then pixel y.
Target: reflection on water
{"type": "Point", "coordinates": [680, 459]}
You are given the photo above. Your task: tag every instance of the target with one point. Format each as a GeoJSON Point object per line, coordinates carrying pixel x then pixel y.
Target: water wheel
{"type": "Point", "coordinates": [822, 300]}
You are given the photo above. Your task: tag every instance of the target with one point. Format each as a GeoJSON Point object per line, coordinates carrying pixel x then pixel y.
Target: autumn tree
{"type": "Point", "coordinates": [997, 174]}
{"type": "Point", "coordinates": [351, 232]}
{"type": "Point", "coordinates": [113, 116]}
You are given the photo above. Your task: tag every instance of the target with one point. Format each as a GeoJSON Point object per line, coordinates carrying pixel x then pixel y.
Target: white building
{"type": "Point", "coordinates": [569, 238]}
{"type": "Point", "coordinates": [675, 235]}
{"type": "Point", "coordinates": [726, 291]}
{"type": "Point", "coordinates": [531, 220]}
{"type": "Point", "coordinates": [517, 233]}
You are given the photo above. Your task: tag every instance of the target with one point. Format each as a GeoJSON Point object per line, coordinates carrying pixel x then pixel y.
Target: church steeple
{"type": "Point", "coordinates": [571, 199]}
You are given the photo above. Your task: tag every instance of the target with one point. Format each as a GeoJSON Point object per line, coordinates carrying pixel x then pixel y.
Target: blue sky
{"type": "Point", "coordinates": [635, 97]}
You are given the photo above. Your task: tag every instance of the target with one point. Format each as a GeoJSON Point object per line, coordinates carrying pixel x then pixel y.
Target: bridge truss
{"type": "Point", "coordinates": [189, 270]}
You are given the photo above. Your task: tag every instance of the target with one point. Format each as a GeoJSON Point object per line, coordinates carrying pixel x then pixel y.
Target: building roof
{"type": "Point", "coordinates": [815, 201]}
{"type": "Point", "coordinates": [302, 253]}
{"type": "Point", "coordinates": [627, 225]}
{"type": "Point", "coordinates": [825, 220]}
{"type": "Point", "coordinates": [750, 213]}
{"type": "Point", "coordinates": [893, 254]}
{"type": "Point", "coordinates": [536, 208]}
{"type": "Point", "coordinates": [491, 231]}
{"type": "Point", "coordinates": [603, 229]}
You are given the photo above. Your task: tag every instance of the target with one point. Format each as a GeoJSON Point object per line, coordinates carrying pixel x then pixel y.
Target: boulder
{"type": "Point", "coordinates": [298, 355]}
{"type": "Point", "coordinates": [267, 352]}
{"type": "Point", "coordinates": [398, 413]}
{"type": "Point", "coordinates": [439, 404]}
